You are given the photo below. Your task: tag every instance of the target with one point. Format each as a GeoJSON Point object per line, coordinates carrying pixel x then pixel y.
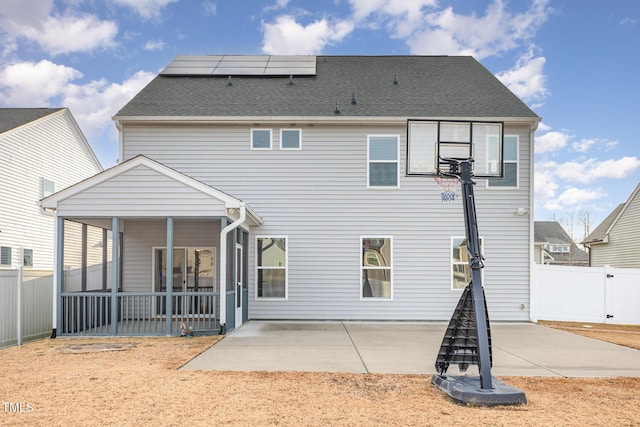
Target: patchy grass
{"type": "Point", "coordinates": [143, 386]}
{"type": "Point", "coordinates": [626, 335]}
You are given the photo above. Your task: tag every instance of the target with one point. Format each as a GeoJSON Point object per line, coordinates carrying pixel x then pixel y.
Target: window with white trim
{"type": "Point", "coordinates": [271, 263]}
{"type": "Point", "coordinates": [5, 256]}
{"type": "Point", "coordinates": [48, 187]}
{"type": "Point", "coordinates": [290, 139]}
{"type": "Point", "coordinates": [383, 160]}
{"type": "Point", "coordinates": [460, 270]}
{"type": "Point", "coordinates": [261, 139]}
{"type": "Point", "coordinates": [27, 257]}
{"type": "Point", "coordinates": [376, 265]}
{"type": "Point", "coordinates": [510, 165]}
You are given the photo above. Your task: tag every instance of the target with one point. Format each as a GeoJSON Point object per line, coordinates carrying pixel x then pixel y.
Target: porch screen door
{"type": "Point", "coordinates": [239, 281]}
{"type": "Point", "coordinates": [193, 271]}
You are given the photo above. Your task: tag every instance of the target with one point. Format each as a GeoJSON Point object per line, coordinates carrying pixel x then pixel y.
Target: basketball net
{"type": "Point", "coordinates": [448, 185]}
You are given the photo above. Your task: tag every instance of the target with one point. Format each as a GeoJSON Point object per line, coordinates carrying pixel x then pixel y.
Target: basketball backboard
{"type": "Point", "coordinates": [429, 142]}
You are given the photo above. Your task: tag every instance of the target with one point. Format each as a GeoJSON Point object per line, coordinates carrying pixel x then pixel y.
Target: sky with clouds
{"type": "Point", "coordinates": [576, 66]}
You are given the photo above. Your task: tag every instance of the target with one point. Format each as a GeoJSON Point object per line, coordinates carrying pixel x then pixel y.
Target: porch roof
{"type": "Point", "coordinates": [142, 187]}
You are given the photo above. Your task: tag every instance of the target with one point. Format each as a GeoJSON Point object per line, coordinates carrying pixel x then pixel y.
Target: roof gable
{"type": "Point", "coordinates": [344, 86]}
{"type": "Point", "coordinates": [121, 174]}
{"type": "Point", "coordinates": [11, 118]}
{"type": "Point", "coordinates": [601, 232]}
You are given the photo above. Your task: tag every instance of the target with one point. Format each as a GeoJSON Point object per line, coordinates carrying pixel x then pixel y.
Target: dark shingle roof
{"type": "Point", "coordinates": [553, 233]}
{"type": "Point", "coordinates": [11, 118]}
{"type": "Point", "coordinates": [429, 86]}
{"type": "Point", "coordinates": [598, 234]}
{"type": "Point", "coordinates": [550, 232]}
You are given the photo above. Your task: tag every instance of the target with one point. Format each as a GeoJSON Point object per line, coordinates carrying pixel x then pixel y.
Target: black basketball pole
{"type": "Point", "coordinates": [467, 339]}
{"type": "Point", "coordinates": [476, 264]}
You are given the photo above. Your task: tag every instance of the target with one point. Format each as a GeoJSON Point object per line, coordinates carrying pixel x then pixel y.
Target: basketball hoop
{"type": "Point", "coordinates": [448, 185]}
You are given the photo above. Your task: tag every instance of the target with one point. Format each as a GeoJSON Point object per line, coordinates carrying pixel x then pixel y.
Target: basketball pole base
{"type": "Point", "coordinates": [465, 390]}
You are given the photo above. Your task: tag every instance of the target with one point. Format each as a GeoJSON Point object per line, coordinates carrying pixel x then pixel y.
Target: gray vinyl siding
{"type": "Point", "coordinates": [318, 198]}
{"type": "Point", "coordinates": [622, 247]}
{"type": "Point", "coordinates": [140, 192]}
{"type": "Point", "coordinates": [50, 148]}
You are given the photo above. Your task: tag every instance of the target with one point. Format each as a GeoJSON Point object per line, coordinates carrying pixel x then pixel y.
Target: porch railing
{"type": "Point", "coordinates": [138, 313]}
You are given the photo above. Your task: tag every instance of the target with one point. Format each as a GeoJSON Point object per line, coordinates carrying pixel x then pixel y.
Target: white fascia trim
{"type": "Point", "coordinates": [52, 201]}
{"type": "Point", "coordinates": [337, 119]}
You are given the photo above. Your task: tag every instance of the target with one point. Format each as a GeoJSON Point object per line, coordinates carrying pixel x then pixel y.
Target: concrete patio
{"type": "Point", "coordinates": [519, 349]}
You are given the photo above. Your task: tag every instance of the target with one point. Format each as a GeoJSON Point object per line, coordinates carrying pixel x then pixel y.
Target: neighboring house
{"type": "Point", "coordinates": [43, 151]}
{"type": "Point", "coordinates": [554, 246]}
{"type": "Point", "coordinates": [283, 178]}
{"type": "Point", "coordinates": [615, 241]}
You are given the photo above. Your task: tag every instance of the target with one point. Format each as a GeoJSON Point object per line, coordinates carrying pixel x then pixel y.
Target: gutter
{"type": "Point", "coordinates": [223, 265]}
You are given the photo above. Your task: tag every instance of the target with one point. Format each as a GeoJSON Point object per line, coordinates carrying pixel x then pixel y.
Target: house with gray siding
{"type": "Point", "coordinates": [278, 187]}
{"type": "Point", "coordinates": [43, 151]}
{"type": "Point", "coordinates": [615, 240]}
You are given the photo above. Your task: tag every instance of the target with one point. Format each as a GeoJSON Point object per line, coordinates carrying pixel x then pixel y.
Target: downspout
{"type": "Point", "coordinates": [223, 265]}
{"type": "Point", "coordinates": [533, 315]}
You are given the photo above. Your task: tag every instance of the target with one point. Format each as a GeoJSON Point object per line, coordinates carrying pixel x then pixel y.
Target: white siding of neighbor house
{"type": "Point", "coordinates": [318, 198]}
{"type": "Point", "coordinates": [622, 247]}
{"type": "Point", "coordinates": [52, 148]}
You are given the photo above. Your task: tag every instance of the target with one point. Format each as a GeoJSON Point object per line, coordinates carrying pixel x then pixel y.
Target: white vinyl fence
{"type": "Point", "coordinates": [586, 294]}
{"type": "Point", "coordinates": [26, 305]}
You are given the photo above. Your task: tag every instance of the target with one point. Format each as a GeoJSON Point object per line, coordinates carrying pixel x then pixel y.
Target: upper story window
{"type": "Point", "coordinates": [510, 165]}
{"type": "Point", "coordinates": [560, 248]}
{"type": "Point", "coordinates": [5, 255]}
{"type": "Point", "coordinates": [261, 139]}
{"type": "Point", "coordinates": [383, 160]}
{"type": "Point", "coordinates": [48, 187]}
{"type": "Point", "coordinates": [290, 139]}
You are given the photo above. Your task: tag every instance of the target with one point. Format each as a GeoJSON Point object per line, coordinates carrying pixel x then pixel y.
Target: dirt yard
{"type": "Point", "coordinates": [64, 382]}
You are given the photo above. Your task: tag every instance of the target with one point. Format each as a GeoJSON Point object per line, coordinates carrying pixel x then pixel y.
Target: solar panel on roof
{"type": "Point", "coordinates": [242, 65]}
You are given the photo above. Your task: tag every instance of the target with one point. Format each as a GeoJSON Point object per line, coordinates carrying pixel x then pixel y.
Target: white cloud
{"type": "Point", "coordinates": [574, 197]}
{"type": "Point", "coordinates": [551, 141]}
{"type": "Point", "coordinates": [56, 34]}
{"type": "Point", "coordinates": [588, 170]}
{"type": "Point", "coordinates": [147, 9]}
{"type": "Point", "coordinates": [498, 30]}
{"type": "Point", "coordinates": [575, 177]}
{"type": "Point", "coordinates": [154, 45]}
{"type": "Point", "coordinates": [93, 104]}
{"type": "Point", "coordinates": [286, 36]}
{"type": "Point", "coordinates": [526, 79]}
{"type": "Point", "coordinates": [279, 4]}
{"type": "Point", "coordinates": [587, 144]}
{"type": "Point", "coordinates": [209, 7]}
{"type": "Point", "coordinates": [45, 84]}
{"type": "Point", "coordinates": [628, 21]}
{"type": "Point", "coordinates": [583, 145]}
{"type": "Point", "coordinates": [28, 84]}
{"type": "Point", "coordinates": [401, 17]}
{"type": "Point", "coordinates": [545, 184]}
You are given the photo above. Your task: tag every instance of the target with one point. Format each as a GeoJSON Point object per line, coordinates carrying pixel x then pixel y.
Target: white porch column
{"type": "Point", "coordinates": [58, 274]}
{"type": "Point", "coordinates": [115, 272]}
{"type": "Point", "coordinates": [169, 275]}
